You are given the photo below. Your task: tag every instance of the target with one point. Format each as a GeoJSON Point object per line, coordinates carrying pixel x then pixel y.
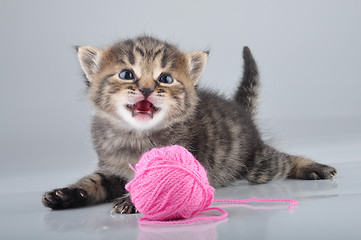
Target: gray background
{"type": "Point", "coordinates": [308, 53]}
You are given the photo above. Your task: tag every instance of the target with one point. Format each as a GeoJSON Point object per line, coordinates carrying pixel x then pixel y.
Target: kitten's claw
{"type": "Point", "coordinates": [124, 206]}
{"type": "Point", "coordinates": [59, 193]}
{"type": "Point", "coordinates": [112, 212]}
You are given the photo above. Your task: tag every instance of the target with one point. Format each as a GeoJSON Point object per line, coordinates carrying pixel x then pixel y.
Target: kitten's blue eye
{"type": "Point", "coordinates": [165, 78]}
{"type": "Point", "coordinates": [126, 75]}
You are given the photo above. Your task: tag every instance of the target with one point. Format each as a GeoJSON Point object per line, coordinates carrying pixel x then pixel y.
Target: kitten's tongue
{"type": "Point", "coordinates": [143, 106]}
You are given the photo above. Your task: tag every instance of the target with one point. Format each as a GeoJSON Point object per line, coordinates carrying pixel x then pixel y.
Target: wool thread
{"type": "Point", "coordinates": [171, 187]}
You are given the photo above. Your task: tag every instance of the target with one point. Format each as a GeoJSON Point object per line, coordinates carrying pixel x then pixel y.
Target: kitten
{"type": "Point", "coordinates": [145, 93]}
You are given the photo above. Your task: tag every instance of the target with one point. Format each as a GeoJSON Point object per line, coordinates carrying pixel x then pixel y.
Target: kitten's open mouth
{"type": "Point", "coordinates": [143, 107]}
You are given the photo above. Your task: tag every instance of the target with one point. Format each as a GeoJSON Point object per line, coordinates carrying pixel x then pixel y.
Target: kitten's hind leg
{"type": "Point", "coordinates": [268, 164]}
{"type": "Point", "coordinates": [310, 170]}
{"type": "Point", "coordinates": [98, 187]}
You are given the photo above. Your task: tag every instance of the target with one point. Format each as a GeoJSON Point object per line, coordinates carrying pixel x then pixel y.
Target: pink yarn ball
{"type": "Point", "coordinates": [170, 184]}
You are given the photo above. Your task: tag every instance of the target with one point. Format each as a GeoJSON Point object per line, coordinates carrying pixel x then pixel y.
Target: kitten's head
{"type": "Point", "coordinates": [143, 83]}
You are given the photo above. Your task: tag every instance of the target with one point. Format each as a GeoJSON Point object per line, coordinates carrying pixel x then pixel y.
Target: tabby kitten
{"type": "Point", "coordinates": [145, 93]}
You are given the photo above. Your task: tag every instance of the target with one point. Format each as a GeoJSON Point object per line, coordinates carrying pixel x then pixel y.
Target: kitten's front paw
{"type": "Point", "coordinates": [65, 198]}
{"type": "Point", "coordinates": [317, 171]}
{"type": "Point", "coordinates": [124, 206]}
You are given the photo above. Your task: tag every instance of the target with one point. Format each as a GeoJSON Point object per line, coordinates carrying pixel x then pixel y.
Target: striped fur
{"type": "Point", "coordinates": [220, 133]}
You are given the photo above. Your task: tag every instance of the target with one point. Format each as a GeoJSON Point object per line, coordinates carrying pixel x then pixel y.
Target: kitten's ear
{"type": "Point", "coordinates": [89, 58]}
{"type": "Point", "coordinates": [197, 63]}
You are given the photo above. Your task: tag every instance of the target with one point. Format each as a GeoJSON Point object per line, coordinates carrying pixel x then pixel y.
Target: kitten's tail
{"type": "Point", "coordinates": [247, 92]}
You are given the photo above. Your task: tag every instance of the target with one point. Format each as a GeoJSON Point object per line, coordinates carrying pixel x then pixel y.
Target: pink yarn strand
{"type": "Point", "coordinates": [292, 203]}
{"type": "Point", "coordinates": [145, 221]}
